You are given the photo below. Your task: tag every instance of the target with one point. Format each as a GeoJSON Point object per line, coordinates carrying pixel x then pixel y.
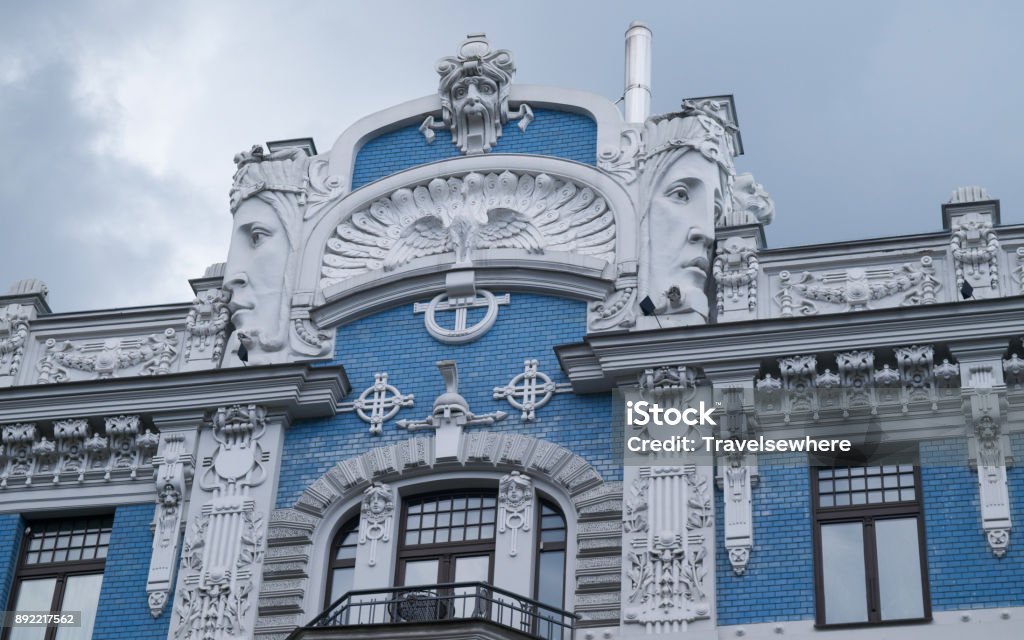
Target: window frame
{"type": "Point", "coordinates": [867, 515]}
{"type": "Point", "coordinates": [543, 547]}
{"type": "Point", "coordinates": [60, 571]}
{"type": "Point", "coordinates": [349, 526]}
{"type": "Point", "coordinates": [446, 559]}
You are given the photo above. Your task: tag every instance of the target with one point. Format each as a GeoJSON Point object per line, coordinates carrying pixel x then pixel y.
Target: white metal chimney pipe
{"type": "Point", "coordinates": [637, 98]}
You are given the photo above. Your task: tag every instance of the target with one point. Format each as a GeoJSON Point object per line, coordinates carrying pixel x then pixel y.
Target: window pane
{"type": "Point", "coordinates": [81, 593]}
{"type": "Point", "coordinates": [33, 595]}
{"type": "Point", "coordinates": [551, 579]}
{"type": "Point", "coordinates": [899, 569]}
{"type": "Point", "coordinates": [341, 582]}
{"type": "Point", "coordinates": [469, 569]}
{"type": "Point", "coordinates": [842, 567]}
{"type": "Point", "coordinates": [419, 572]}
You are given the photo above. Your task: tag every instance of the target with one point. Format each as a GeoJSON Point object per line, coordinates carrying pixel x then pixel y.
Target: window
{"type": "Point", "coordinates": [550, 586]}
{"type": "Point", "coordinates": [551, 533]}
{"type": "Point", "coordinates": [342, 566]}
{"type": "Point", "coordinates": [869, 545]}
{"type": "Point", "coordinates": [447, 537]}
{"type": "Point", "coordinates": [61, 569]}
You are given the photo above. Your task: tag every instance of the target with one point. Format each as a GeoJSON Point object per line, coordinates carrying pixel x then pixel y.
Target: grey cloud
{"type": "Point", "coordinates": [859, 118]}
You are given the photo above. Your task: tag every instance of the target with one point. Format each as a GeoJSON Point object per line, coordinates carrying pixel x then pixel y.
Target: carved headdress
{"type": "Point", "coordinates": [701, 125]}
{"type": "Point", "coordinates": [281, 178]}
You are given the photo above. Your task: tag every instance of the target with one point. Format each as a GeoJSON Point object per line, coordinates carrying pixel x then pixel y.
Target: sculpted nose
{"type": "Point", "coordinates": [700, 235]}
{"type": "Point", "coordinates": [236, 281]}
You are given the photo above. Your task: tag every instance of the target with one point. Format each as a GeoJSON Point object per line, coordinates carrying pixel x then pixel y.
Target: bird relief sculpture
{"type": "Point", "coordinates": [461, 214]}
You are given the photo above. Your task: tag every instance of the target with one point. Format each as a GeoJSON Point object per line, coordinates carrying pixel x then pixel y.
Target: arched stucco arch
{"type": "Point", "coordinates": [297, 533]}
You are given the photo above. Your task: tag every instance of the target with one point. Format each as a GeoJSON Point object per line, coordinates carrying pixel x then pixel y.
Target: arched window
{"type": "Point", "coordinates": [342, 566]}
{"type": "Point", "coordinates": [551, 534]}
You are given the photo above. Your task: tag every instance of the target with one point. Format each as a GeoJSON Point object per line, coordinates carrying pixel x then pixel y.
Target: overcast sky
{"type": "Point", "coordinates": [120, 119]}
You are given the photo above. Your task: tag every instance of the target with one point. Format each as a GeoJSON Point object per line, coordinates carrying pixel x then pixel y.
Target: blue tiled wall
{"type": "Point", "coordinates": [11, 529]}
{"type": "Point", "coordinates": [397, 342]}
{"type": "Point", "coordinates": [552, 133]}
{"type": "Point", "coordinates": [779, 582]}
{"type": "Point", "coordinates": [962, 572]}
{"type": "Point", "coordinates": [124, 609]}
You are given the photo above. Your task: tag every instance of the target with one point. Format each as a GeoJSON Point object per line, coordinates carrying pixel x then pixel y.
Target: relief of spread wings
{"type": "Point", "coordinates": [427, 236]}
{"type": "Point", "coordinates": [531, 212]}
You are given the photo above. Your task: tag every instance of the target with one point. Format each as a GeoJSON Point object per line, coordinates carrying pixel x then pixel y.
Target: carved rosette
{"type": "Point", "coordinates": [515, 507]}
{"type": "Point", "coordinates": [376, 517]}
{"type": "Point", "coordinates": [667, 573]}
{"type": "Point", "coordinates": [224, 546]}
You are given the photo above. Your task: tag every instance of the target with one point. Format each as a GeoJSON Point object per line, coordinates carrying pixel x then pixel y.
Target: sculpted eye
{"type": "Point", "coordinates": [486, 89]}
{"type": "Point", "coordinates": [460, 92]}
{"type": "Point", "coordinates": [257, 236]}
{"type": "Point", "coordinates": [679, 193]}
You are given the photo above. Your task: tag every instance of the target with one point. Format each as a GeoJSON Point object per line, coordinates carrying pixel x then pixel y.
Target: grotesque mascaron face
{"type": "Point", "coordinates": [681, 220]}
{"type": "Point", "coordinates": [475, 97]}
{"type": "Point", "coordinates": [255, 275]}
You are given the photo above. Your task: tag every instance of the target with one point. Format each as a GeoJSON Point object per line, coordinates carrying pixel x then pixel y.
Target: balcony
{"type": "Point", "coordinates": [462, 611]}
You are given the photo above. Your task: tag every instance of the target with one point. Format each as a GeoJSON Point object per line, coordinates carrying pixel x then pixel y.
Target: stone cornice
{"type": "Point", "coordinates": [906, 244]}
{"type": "Point", "coordinates": [602, 360]}
{"type": "Point", "coordinates": [300, 390]}
{"type": "Point", "coordinates": [129, 318]}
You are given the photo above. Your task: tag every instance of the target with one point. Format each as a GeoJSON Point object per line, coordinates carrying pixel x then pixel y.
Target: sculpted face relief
{"type": "Point", "coordinates": [474, 90]}
{"type": "Point", "coordinates": [682, 218]}
{"type": "Point", "coordinates": [255, 276]}
{"type": "Point", "coordinates": [267, 200]}
{"type": "Point", "coordinates": [685, 181]}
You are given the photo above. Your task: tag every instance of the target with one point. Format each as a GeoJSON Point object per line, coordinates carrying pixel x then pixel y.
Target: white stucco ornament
{"type": "Point", "coordinates": [685, 187]}
{"type": "Point", "coordinates": [474, 91]}
{"type": "Point", "coordinates": [275, 199]}
{"type": "Point", "coordinates": [378, 403]}
{"type": "Point", "coordinates": [463, 213]}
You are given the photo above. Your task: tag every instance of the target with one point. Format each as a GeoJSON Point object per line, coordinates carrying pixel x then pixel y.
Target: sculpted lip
{"type": "Point", "coordinates": [237, 308]}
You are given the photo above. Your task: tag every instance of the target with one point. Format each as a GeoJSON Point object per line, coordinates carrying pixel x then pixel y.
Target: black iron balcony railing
{"type": "Point", "coordinates": [448, 602]}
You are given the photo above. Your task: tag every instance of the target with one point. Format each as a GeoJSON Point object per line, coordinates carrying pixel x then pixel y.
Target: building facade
{"type": "Point", "coordinates": [396, 410]}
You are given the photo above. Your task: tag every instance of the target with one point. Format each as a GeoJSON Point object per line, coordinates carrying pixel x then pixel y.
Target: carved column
{"type": "Point", "coordinates": [985, 408]}
{"type": "Point", "coordinates": [971, 216]}
{"type": "Point", "coordinates": [515, 545]}
{"type": "Point", "coordinates": [174, 464]}
{"type": "Point", "coordinates": [736, 270]}
{"type": "Point", "coordinates": [206, 329]}
{"type": "Point", "coordinates": [25, 300]}
{"type": "Point", "coordinates": [668, 580]}
{"type": "Point", "coordinates": [737, 473]}
{"type": "Point", "coordinates": [231, 499]}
